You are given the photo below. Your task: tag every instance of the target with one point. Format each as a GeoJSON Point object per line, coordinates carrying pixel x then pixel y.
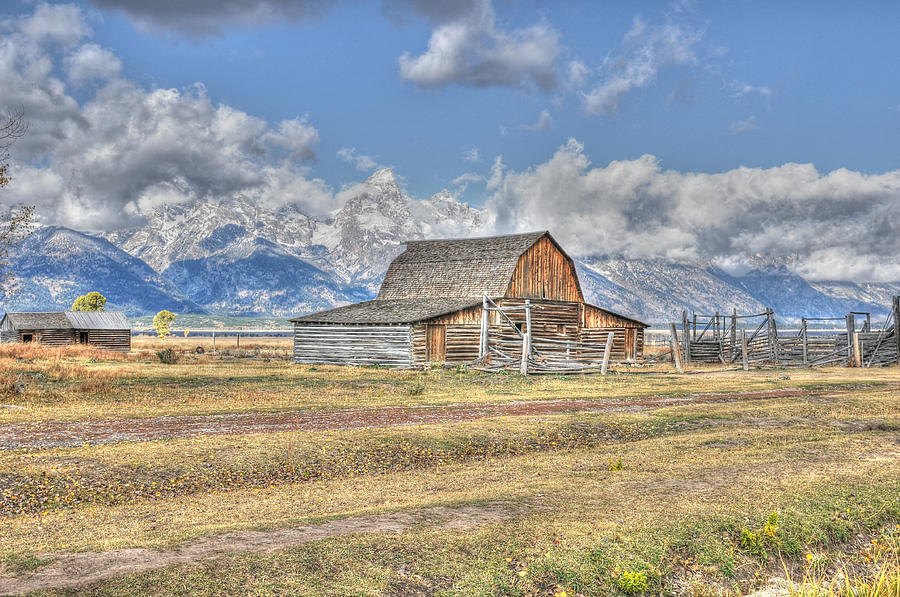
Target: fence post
{"type": "Point", "coordinates": [744, 357]}
{"type": "Point", "coordinates": [851, 327]}
{"type": "Point", "coordinates": [526, 339]}
{"type": "Point", "coordinates": [773, 335]}
{"type": "Point", "coordinates": [676, 356]}
{"type": "Point", "coordinates": [686, 337]}
{"type": "Point", "coordinates": [857, 350]}
{"type": "Point", "coordinates": [214, 341]}
{"type": "Point", "coordinates": [694, 336]}
{"type": "Point", "coordinates": [897, 325]}
{"type": "Point", "coordinates": [731, 350]}
{"type": "Point", "coordinates": [485, 319]}
{"type": "Point", "coordinates": [606, 352]}
{"type": "Point", "coordinates": [804, 335]}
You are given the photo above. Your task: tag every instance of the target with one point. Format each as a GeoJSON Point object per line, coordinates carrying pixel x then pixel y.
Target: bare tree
{"type": "Point", "coordinates": [15, 223]}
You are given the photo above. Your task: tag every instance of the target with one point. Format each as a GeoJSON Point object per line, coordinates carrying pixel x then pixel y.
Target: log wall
{"type": "Point", "coordinates": [320, 344]}
{"type": "Point", "coordinates": [109, 339]}
{"type": "Point", "coordinates": [461, 344]}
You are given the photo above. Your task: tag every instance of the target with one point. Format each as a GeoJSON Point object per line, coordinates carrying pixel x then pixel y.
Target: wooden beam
{"type": "Point", "coordinates": [804, 334]}
{"type": "Point", "coordinates": [676, 353]}
{"type": "Point", "coordinates": [745, 363]}
{"type": "Point", "coordinates": [526, 340]}
{"type": "Point", "coordinates": [606, 351]}
{"type": "Point", "coordinates": [485, 328]}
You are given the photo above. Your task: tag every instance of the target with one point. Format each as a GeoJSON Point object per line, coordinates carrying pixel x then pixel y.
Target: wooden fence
{"type": "Point", "coordinates": [756, 339]}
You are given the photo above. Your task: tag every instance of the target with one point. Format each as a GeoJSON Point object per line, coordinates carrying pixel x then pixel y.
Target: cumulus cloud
{"type": "Point", "coordinates": [463, 181]}
{"type": "Point", "coordinates": [98, 165]}
{"type": "Point", "coordinates": [203, 18]}
{"type": "Point", "coordinates": [743, 126]}
{"type": "Point", "coordinates": [467, 48]}
{"type": "Point", "coordinates": [472, 156]}
{"type": "Point", "coordinates": [647, 49]}
{"type": "Point", "coordinates": [835, 225]}
{"type": "Point", "coordinates": [361, 162]}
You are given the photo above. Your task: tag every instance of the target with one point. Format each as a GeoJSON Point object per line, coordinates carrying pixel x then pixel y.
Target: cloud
{"type": "Point", "coordinates": [466, 48]}
{"type": "Point", "coordinates": [204, 18]}
{"type": "Point", "coordinates": [576, 74]}
{"type": "Point", "coordinates": [743, 126]}
{"type": "Point", "coordinates": [744, 89]}
{"type": "Point", "coordinates": [544, 123]}
{"type": "Point", "coordinates": [463, 181]}
{"type": "Point", "coordinates": [835, 225]}
{"type": "Point", "coordinates": [361, 162]}
{"type": "Point", "coordinates": [99, 165]}
{"type": "Point", "coordinates": [647, 50]}
{"type": "Point", "coordinates": [90, 63]}
{"type": "Point", "coordinates": [472, 156]}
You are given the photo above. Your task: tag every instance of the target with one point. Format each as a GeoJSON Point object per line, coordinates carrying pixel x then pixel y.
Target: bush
{"type": "Point", "coordinates": [633, 582]}
{"type": "Point", "coordinates": [167, 356]}
{"type": "Point", "coordinates": [416, 389]}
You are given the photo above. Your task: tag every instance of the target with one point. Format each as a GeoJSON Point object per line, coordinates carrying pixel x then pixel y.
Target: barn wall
{"type": "Point", "coordinates": [352, 344]}
{"type": "Point", "coordinates": [462, 342]}
{"type": "Point", "coordinates": [109, 339]}
{"type": "Point", "coordinates": [544, 272]}
{"type": "Point", "coordinates": [595, 317]}
{"type": "Point", "coordinates": [9, 336]}
{"type": "Point", "coordinates": [52, 337]}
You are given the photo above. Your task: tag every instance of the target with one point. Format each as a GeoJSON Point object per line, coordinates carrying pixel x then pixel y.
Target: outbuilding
{"type": "Point", "coordinates": [107, 330]}
{"type": "Point", "coordinates": [429, 308]}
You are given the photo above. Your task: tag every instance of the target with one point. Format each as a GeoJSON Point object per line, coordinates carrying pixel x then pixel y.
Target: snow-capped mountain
{"type": "Point", "coordinates": [232, 256]}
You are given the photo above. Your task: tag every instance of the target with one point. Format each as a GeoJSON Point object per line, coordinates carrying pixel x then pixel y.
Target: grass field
{"type": "Point", "coordinates": [239, 473]}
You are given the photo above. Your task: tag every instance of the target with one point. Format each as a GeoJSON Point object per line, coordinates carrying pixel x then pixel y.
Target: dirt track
{"type": "Point", "coordinates": [50, 434]}
{"type": "Point", "coordinates": [78, 569]}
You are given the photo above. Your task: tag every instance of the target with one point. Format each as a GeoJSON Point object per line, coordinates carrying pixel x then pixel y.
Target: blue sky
{"type": "Point", "coordinates": [678, 129]}
{"type": "Point", "coordinates": [766, 83]}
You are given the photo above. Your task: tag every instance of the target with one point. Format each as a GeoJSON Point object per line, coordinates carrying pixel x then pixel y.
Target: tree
{"type": "Point", "coordinates": [161, 323]}
{"type": "Point", "coordinates": [92, 301]}
{"type": "Point", "coordinates": [16, 223]}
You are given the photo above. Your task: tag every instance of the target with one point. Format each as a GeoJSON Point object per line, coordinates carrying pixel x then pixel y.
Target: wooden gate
{"type": "Point", "coordinates": [435, 343]}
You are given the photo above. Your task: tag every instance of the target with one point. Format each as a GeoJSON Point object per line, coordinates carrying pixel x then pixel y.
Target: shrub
{"type": "Point", "coordinates": [416, 389]}
{"type": "Point", "coordinates": [167, 356]}
{"type": "Point", "coordinates": [615, 465]}
{"type": "Point", "coordinates": [11, 385]}
{"type": "Point", "coordinates": [633, 582]}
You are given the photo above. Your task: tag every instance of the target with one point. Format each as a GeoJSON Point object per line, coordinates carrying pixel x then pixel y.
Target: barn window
{"type": "Point", "coordinates": [83, 337]}
{"type": "Point", "coordinates": [27, 338]}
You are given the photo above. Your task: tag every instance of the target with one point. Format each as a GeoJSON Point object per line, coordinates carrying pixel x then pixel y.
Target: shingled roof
{"type": "Point", "coordinates": [389, 311]}
{"type": "Point", "coordinates": [457, 268]}
{"type": "Point", "coordinates": [38, 321]}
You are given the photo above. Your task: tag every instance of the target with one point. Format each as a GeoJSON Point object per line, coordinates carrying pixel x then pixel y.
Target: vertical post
{"type": "Point", "coordinates": [868, 322]}
{"type": "Point", "coordinates": [694, 334]}
{"type": "Point", "coordinates": [606, 351]}
{"type": "Point", "coordinates": [857, 350]}
{"type": "Point", "coordinates": [804, 335]}
{"type": "Point", "coordinates": [745, 361]}
{"type": "Point", "coordinates": [676, 356]}
{"type": "Point", "coordinates": [897, 325]}
{"type": "Point", "coordinates": [686, 337]}
{"type": "Point", "coordinates": [634, 344]}
{"type": "Point", "coordinates": [731, 350]}
{"type": "Point", "coordinates": [773, 335]}
{"type": "Point", "coordinates": [485, 315]}
{"type": "Point", "coordinates": [526, 339]}
{"type": "Point", "coordinates": [851, 327]}
{"type": "Point", "coordinates": [239, 340]}
{"type": "Point", "coordinates": [568, 349]}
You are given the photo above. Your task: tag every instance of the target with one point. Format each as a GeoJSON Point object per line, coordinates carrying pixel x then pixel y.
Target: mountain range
{"type": "Point", "coordinates": [235, 257]}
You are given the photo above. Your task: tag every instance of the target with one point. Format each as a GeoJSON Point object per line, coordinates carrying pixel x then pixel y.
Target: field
{"type": "Point", "coordinates": [240, 473]}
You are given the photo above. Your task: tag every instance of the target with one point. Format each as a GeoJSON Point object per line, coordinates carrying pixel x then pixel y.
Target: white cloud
{"type": "Point", "coordinates": [89, 63]}
{"type": "Point", "coordinates": [463, 181]}
{"type": "Point", "coordinates": [576, 74]}
{"type": "Point", "coordinates": [363, 163]}
{"type": "Point", "coordinates": [126, 148]}
{"type": "Point", "coordinates": [743, 126]}
{"type": "Point", "coordinates": [544, 123]}
{"type": "Point", "coordinates": [496, 176]}
{"type": "Point", "coordinates": [745, 89]}
{"type": "Point", "coordinates": [466, 48]}
{"type": "Point", "coordinates": [836, 225]}
{"type": "Point", "coordinates": [472, 156]}
{"type": "Point", "coordinates": [647, 50]}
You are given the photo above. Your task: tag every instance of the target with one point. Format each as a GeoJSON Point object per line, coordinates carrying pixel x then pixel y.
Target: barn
{"type": "Point", "coordinates": [107, 330]}
{"type": "Point", "coordinates": [429, 308]}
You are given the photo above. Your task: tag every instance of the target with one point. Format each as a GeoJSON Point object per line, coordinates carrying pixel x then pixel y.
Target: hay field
{"type": "Point", "coordinates": [238, 472]}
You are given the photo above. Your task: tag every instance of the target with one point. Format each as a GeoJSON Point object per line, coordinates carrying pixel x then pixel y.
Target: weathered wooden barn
{"type": "Point", "coordinates": [107, 330]}
{"type": "Point", "coordinates": [429, 308]}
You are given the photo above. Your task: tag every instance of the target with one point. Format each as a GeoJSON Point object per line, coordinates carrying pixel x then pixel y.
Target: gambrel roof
{"type": "Point", "coordinates": [456, 268]}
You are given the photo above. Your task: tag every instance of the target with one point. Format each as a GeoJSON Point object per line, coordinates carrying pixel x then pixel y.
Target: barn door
{"type": "Point", "coordinates": [435, 343]}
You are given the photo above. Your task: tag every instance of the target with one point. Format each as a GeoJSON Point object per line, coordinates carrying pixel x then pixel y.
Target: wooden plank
{"type": "Point", "coordinates": [606, 352]}
{"type": "Point", "coordinates": [676, 354]}
{"type": "Point", "coordinates": [744, 354]}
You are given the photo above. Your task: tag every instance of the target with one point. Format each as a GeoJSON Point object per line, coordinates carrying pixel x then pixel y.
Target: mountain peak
{"type": "Point", "coordinates": [383, 177]}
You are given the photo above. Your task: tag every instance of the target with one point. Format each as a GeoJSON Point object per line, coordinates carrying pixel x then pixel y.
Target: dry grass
{"type": "Point", "coordinates": [694, 480]}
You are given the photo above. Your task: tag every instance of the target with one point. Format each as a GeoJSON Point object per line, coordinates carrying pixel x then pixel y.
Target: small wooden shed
{"type": "Point", "coordinates": [107, 330]}
{"type": "Point", "coordinates": [429, 308]}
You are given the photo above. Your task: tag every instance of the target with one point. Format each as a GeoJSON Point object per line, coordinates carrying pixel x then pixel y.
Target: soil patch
{"type": "Point", "coordinates": [80, 569]}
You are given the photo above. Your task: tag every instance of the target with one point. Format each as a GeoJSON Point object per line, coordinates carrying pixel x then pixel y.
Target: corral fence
{"type": "Point", "coordinates": [513, 346]}
{"type": "Point", "coordinates": [854, 340]}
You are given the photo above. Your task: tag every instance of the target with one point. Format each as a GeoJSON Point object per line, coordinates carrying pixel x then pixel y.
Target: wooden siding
{"type": "Point", "coordinates": [352, 345]}
{"type": "Point", "coordinates": [109, 339]}
{"type": "Point", "coordinates": [595, 317]}
{"type": "Point", "coordinates": [545, 272]}
{"type": "Point", "coordinates": [9, 336]}
{"type": "Point", "coordinates": [461, 344]}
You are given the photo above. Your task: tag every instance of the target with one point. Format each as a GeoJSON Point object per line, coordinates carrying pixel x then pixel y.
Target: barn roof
{"type": "Point", "coordinates": [68, 320]}
{"type": "Point", "coordinates": [389, 311]}
{"type": "Point", "coordinates": [456, 268]}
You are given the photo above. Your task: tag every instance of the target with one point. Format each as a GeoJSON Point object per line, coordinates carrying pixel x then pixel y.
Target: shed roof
{"type": "Point", "coordinates": [389, 311]}
{"type": "Point", "coordinates": [456, 268]}
{"type": "Point", "coordinates": [98, 320]}
{"type": "Point", "coordinates": [68, 320]}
